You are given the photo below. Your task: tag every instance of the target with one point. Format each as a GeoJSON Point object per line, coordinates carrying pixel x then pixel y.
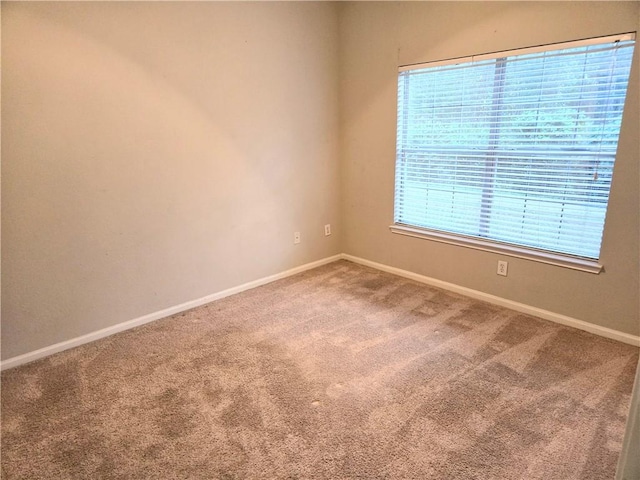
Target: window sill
{"type": "Point", "coordinates": [584, 265]}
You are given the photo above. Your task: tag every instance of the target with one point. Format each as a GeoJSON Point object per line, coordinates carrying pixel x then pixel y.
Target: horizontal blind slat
{"type": "Point", "coordinates": [530, 165]}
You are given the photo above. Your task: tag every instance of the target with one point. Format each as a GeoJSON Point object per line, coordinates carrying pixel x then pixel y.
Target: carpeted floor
{"type": "Point", "coordinates": [342, 372]}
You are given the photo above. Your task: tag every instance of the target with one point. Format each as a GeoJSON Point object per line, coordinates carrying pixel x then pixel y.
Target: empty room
{"type": "Point", "coordinates": [320, 240]}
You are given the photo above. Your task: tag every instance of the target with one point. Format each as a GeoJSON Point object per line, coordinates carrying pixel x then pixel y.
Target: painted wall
{"type": "Point", "coordinates": [375, 39]}
{"type": "Point", "coordinates": [156, 153]}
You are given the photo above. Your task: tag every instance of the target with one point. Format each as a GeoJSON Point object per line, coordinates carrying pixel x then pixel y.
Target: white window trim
{"type": "Point", "coordinates": [527, 253]}
{"type": "Point", "coordinates": [520, 51]}
{"type": "Point", "coordinates": [493, 246]}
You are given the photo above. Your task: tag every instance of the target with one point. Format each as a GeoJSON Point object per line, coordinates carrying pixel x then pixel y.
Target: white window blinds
{"type": "Point", "coordinates": [516, 147]}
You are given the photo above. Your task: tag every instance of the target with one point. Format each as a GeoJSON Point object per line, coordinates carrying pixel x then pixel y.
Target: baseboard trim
{"type": "Point", "coordinates": [519, 307]}
{"type": "Point", "coordinates": [503, 302]}
{"type": "Point", "coordinates": [120, 327]}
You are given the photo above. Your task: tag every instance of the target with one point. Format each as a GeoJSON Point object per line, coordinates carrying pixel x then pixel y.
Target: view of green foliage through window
{"type": "Point", "coordinates": [517, 149]}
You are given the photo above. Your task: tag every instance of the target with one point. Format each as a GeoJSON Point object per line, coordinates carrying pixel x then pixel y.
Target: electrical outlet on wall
{"type": "Point", "coordinates": [296, 237]}
{"type": "Point", "coordinates": [502, 268]}
{"type": "Point", "coordinates": [327, 229]}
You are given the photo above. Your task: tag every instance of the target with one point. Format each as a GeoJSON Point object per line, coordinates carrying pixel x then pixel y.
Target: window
{"type": "Point", "coordinates": [513, 152]}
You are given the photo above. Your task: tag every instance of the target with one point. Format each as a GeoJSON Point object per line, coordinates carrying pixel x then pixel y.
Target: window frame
{"type": "Point", "coordinates": [496, 246]}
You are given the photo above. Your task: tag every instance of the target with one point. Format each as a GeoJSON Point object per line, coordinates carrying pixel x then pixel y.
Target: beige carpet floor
{"type": "Point", "coordinates": [342, 372]}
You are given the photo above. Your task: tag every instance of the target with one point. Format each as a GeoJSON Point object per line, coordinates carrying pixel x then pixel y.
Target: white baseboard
{"type": "Point", "coordinates": [503, 302]}
{"type": "Point", "coordinates": [105, 332]}
{"type": "Point", "coordinates": [520, 307]}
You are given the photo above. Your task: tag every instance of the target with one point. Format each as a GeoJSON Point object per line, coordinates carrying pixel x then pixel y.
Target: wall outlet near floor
{"type": "Point", "coordinates": [327, 229]}
{"type": "Point", "coordinates": [296, 237]}
{"type": "Point", "coordinates": [502, 267]}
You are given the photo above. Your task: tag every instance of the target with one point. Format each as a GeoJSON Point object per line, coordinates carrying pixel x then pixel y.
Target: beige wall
{"type": "Point", "coordinates": [375, 39]}
{"type": "Point", "coordinates": [155, 153]}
